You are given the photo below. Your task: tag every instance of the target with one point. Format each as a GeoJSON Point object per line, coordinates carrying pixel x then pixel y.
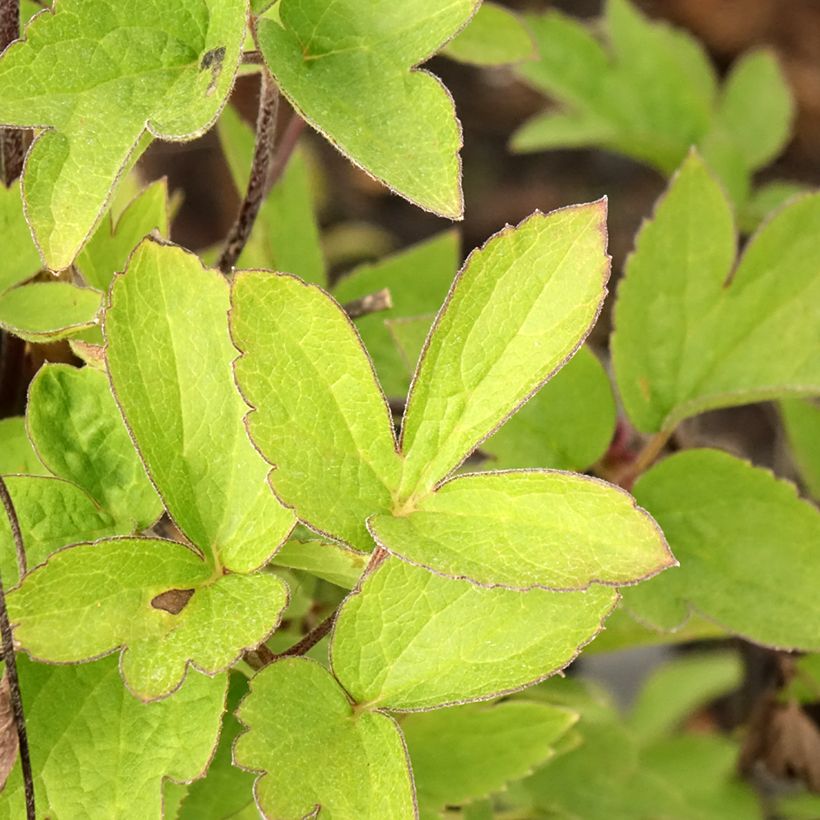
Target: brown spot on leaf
{"type": "Point", "coordinates": [213, 60]}
{"type": "Point", "coordinates": [8, 732]}
{"type": "Point", "coordinates": [173, 600]}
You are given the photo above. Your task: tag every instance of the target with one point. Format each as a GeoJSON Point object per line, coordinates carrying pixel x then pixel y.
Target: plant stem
{"type": "Point", "coordinates": [260, 174]}
{"type": "Point", "coordinates": [372, 303]}
{"type": "Point", "coordinates": [310, 640]}
{"type": "Point", "coordinates": [11, 139]}
{"type": "Point", "coordinates": [11, 661]}
{"type": "Point", "coordinates": [14, 523]}
{"type": "Point", "coordinates": [645, 458]}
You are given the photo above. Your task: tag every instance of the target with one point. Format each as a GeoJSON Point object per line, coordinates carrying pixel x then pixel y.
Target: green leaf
{"type": "Point", "coordinates": [321, 419]}
{"type": "Point", "coordinates": [518, 310]}
{"type": "Point", "coordinates": [48, 311]}
{"type": "Point", "coordinates": [19, 260]}
{"type": "Point", "coordinates": [92, 599]}
{"type": "Point", "coordinates": [418, 279]}
{"type": "Point", "coordinates": [801, 418]}
{"type": "Point", "coordinates": [77, 429]}
{"type": "Point", "coordinates": [16, 453]}
{"type": "Point", "coordinates": [495, 36]}
{"type": "Point", "coordinates": [677, 688]}
{"type": "Point", "coordinates": [52, 514]}
{"type": "Point", "coordinates": [169, 357]}
{"type": "Point", "coordinates": [315, 753]}
{"type": "Point", "coordinates": [747, 546]}
{"type": "Point", "coordinates": [226, 790]}
{"type": "Point", "coordinates": [331, 562]}
{"type": "Point", "coordinates": [691, 333]}
{"type": "Point", "coordinates": [525, 529]}
{"type": "Point", "coordinates": [756, 108]}
{"type": "Point", "coordinates": [562, 129]}
{"type": "Point", "coordinates": [285, 236]}
{"type": "Point", "coordinates": [766, 200]}
{"type": "Point", "coordinates": [80, 719]}
{"type": "Point", "coordinates": [96, 76]}
{"type": "Point", "coordinates": [567, 425]}
{"type": "Point", "coordinates": [649, 96]}
{"type": "Point", "coordinates": [348, 73]}
{"type": "Point", "coordinates": [108, 249]}
{"type": "Point", "coordinates": [469, 752]}
{"type": "Point", "coordinates": [409, 336]}
{"type": "Point", "coordinates": [408, 639]}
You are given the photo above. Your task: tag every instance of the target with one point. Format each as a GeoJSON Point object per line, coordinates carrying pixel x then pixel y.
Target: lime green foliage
{"type": "Point", "coordinates": [418, 279]}
{"type": "Point", "coordinates": [347, 69]}
{"type": "Point", "coordinates": [567, 425]}
{"type": "Point", "coordinates": [766, 200]}
{"type": "Point", "coordinates": [615, 772]}
{"type": "Point", "coordinates": [169, 357]}
{"type": "Point", "coordinates": [133, 68]}
{"type": "Point", "coordinates": [48, 311]}
{"type": "Point", "coordinates": [108, 249]}
{"type": "Point", "coordinates": [91, 599]}
{"type": "Point", "coordinates": [468, 752]}
{"type": "Point", "coordinates": [651, 93]}
{"type": "Point", "coordinates": [77, 430]}
{"type": "Point", "coordinates": [694, 332]}
{"type": "Point", "coordinates": [324, 559]}
{"type": "Point", "coordinates": [320, 419]}
{"type": "Point", "coordinates": [495, 36]}
{"type": "Point", "coordinates": [316, 753]}
{"type": "Point", "coordinates": [226, 791]}
{"type": "Point", "coordinates": [409, 639]}
{"type": "Point", "coordinates": [801, 418]}
{"type": "Point", "coordinates": [675, 690]}
{"type": "Point", "coordinates": [525, 529]}
{"type": "Point", "coordinates": [52, 514]}
{"type": "Point", "coordinates": [16, 453]}
{"type": "Point", "coordinates": [520, 308]}
{"type": "Point", "coordinates": [747, 546]}
{"type": "Point", "coordinates": [19, 260]}
{"type": "Point", "coordinates": [285, 236]}
{"type": "Point", "coordinates": [81, 719]}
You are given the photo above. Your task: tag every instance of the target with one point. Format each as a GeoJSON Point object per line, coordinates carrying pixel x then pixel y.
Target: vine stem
{"type": "Point", "coordinates": [11, 661]}
{"type": "Point", "coordinates": [11, 139]}
{"type": "Point", "coordinates": [645, 458]}
{"type": "Point", "coordinates": [263, 154]}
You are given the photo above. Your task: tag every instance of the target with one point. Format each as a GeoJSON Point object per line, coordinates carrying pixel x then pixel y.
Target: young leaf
{"type": "Point", "coordinates": [756, 108]}
{"type": "Point", "coordinates": [48, 311]}
{"type": "Point", "coordinates": [495, 36]}
{"type": "Point", "coordinates": [96, 76]}
{"type": "Point", "coordinates": [347, 69]}
{"type": "Point", "coordinates": [517, 312]}
{"type": "Point", "coordinates": [169, 357]}
{"type": "Point", "coordinates": [801, 418]}
{"type": "Point", "coordinates": [524, 529]}
{"type": "Point", "coordinates": [567, 425]}
{"type": "Point", "coordinates": [157, 599]}
{"type": "Point", "coordinates": [418, 279]}
{"type": "Point", "coordinates": [747, 546]}
{"type": "Point", "coordinates": [52, 514]}
{"type": "Point", "coordinates": [285, 236]}
{"type": "Point", "coordinates": [315, 753]}
{"type": "Point", "coordinates": [320, 419]}
{"type": "Point", "coordinates": [82, 719]}
{"type": "Point", "coordinates": [331, 562]}
{"type": "Point", "coordinates": [691, 334]}
{"type": "Point", "coordinates": [19, 260]}
{"type": "Point", "coordinates": [108, 249]}
{"type": "Point", "coordinates": [460, 755]}
{"type": "Point", "coordinates": [408, 639]}
{"type": "Point", "coordinates": [77, 429]}
{"type": "Point", "coordinates": [16, 453]}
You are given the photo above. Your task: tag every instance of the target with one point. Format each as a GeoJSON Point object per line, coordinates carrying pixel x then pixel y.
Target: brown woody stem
{"type": "Point", "coordinates": [372, 303]}
{"type": "Point", "coordinates": [11, 661]}
{"type": "Point", "coordinates": [260, 173]}
{"type": "Point", "coordinates": [12, 146]}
